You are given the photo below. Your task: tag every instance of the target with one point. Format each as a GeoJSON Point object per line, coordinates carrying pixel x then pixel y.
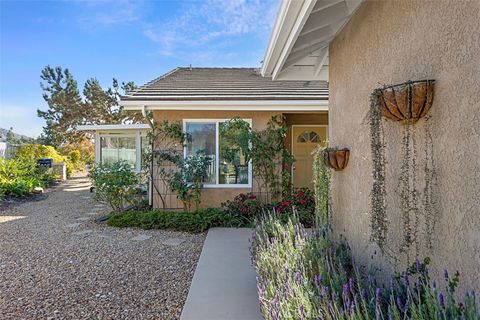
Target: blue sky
{"type": "Point", "coordinates": [129, 40]}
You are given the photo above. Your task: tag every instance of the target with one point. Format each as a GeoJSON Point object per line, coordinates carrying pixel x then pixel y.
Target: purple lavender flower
{"type": "Point", "coordinates": [352, 307]}
{"type": "Point", "coordinates": [417, 265]}
{"type": "Point", "coordinates": [390, 316]}
{"type": "Point", "coordinates": [441, 300]}
{"type": "Point", "coordinates": [298, 277]}
{"type": "Point", "coordinates": [318, 279]}
{"type": "Point", "coordinates": [445, 274]}
{"type": "Point", "coordinates": [392, 283]}
{"type": "Point", "coordinates": [351, 285]}
{"type": "Point", "coordinates": [378, 296]}
{"type": "Point", "coordinates": [400, 304]}
{"type": "Point", "coordinates": [345, 291]}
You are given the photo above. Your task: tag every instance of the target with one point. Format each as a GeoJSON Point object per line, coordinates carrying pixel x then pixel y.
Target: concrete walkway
{"type": "Point", "coordinates": [224, 285]}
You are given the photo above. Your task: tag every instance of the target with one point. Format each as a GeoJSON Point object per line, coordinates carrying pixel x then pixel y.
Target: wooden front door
{"type": "Point", "coordinates": [305, 140]}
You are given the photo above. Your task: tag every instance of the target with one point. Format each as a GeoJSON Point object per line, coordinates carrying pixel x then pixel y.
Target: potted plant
{"type": "Point", "coordinates": [406, 102]}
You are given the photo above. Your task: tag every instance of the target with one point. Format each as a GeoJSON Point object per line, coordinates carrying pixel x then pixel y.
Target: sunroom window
{"type": "Point", "coordinates": [229, 166]}
{"type": "Point", "coordinates": [114, 149]}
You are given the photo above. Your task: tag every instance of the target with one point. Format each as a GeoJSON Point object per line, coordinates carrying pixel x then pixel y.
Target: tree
{"type": "Point", "coordinates": [67, 109]}
{"type": "Point", "coordinates": [61, 93]}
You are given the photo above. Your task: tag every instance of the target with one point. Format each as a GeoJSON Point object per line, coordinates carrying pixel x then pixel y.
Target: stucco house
{"type": "Point", "coordinates": [203, 98]}
{"type": "Point", "coordinates": [359, 46]}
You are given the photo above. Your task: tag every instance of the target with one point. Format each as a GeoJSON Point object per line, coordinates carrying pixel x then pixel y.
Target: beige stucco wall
{"type": "Point", "coordinates": [213, 197]}
{"type": "Point", "coordinates": [389, 42]}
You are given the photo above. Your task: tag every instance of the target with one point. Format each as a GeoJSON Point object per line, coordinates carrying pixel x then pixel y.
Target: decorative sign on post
{"type": "Point", "coordinates": [45, 163]}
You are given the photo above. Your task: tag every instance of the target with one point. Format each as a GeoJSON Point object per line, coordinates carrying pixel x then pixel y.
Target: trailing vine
{"type": "Point", "coordinates": [378, 218]}
{"type": "Point", "coordinates": [429, 200]}
{"type": "Point", "coordinates": [411, 197]}
{"type": "Point", "coordinates": [321, 183]}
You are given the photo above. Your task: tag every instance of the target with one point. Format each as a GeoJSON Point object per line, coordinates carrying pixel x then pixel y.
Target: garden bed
{"type": "Point", "coordinates": [309, 276]}
{"type": "Point", "coordinates": [195, 222]}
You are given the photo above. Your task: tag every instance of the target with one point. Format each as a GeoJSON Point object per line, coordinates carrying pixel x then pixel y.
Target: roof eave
{"type": "Point", "coordinates": [112, 127]}
{"type": "Point", "coordinates": [290, 19]}
{"type": "Point", "coordinates": [231, 105]}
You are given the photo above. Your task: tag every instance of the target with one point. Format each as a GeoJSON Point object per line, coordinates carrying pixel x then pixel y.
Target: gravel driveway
{"type": "Point", "coordinates": [56, 262]}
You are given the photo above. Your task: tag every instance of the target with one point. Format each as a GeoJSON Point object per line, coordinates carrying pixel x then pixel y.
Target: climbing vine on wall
{"type": "Point", "coordinates": [378, 217]}
{"type": "Point", "coordinates": [321, 183]}
{"type": "Point", "coordinates": [405, 104]}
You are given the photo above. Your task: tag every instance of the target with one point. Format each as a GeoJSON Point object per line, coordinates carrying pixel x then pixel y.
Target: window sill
{"type": "Point", "coordinates": [227, 186]}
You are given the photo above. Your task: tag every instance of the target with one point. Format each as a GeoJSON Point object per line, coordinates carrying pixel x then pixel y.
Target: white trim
{"type": "Point", "coordinates": [106, 127]}
{"type": "Point", "coordinates": [138, 145]}
{"type": "Point", "coordinates": [305, 125]}
{"type": "Point", "coordinates": [294, 33]}
{"type": "Point", "coordinates": [217, 151]}
{"type": "Point", "coordinates": [243, 105]}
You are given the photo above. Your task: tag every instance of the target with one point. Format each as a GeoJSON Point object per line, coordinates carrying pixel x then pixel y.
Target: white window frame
{"type": "Point", "coordinates": [217, 185]}
{"type": "Point", "coordinates": [138, 145]}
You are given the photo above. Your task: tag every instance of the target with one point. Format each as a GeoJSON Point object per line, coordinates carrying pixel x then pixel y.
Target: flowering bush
{"type": "Point", "coordinates": [116, 184]}
{"type": "Point", "coordinates": [302, 201]}
{"type": "Point", "coordinates": [304, 276]}
{"type": "Point", "coordinates": [32, 152]}
{"type": "Point", "coordinates": [247, 206]}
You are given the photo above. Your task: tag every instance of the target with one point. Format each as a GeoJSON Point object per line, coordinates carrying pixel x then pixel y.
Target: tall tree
{"type": "Point", "coordinates": [67, 109]}
{"type": "Point", "coordinates": [61, 93]}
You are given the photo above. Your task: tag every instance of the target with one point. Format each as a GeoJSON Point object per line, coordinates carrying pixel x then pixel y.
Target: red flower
{"type": "Point", "coordinates": [285, 203]}
{"type": "Point", "coordinates": [252, 196]}
{"type": "Point", "coordinates": [244, 210]}
{"type": "Point", "coordinates": [302, 201]}
{"type": "Point", "coordinates": [300, 193]}
{"type": "Point", "coordinates": [277, 210]}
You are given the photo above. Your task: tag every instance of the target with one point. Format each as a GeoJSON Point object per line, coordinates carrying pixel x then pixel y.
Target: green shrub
{"type": "Point", "coordinates": [75, 158]}
{"type": "Point", "coordinates": [308, 276]}
{"type": "Point", "coordinates": [195, 222]}
{"type": "Point", "coordinates": [19, 177]}
{"type": "Point", "coordinates": [116, 184]}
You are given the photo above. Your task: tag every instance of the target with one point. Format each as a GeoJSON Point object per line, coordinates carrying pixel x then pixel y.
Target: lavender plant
{"type": "Point", "coordinates": [308, 276]}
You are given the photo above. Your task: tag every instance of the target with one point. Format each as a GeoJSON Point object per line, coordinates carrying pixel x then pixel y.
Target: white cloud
{"type": "Point", "coordinates": [109, 13]}
{"type": "Point", "coordinates": [203, 23]}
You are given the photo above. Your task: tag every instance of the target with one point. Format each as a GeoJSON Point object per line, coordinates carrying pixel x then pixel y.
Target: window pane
{"type": "Point", "coordinates": [203, 141]}
{"type": "Point", "coordinates": [114, 149]}
{"type": "Point", "coordinates": [127, 151]}
{"type": "Point", "coordinates": [233, 164]}
{"type": "Point", "coordinates": [109, 150]}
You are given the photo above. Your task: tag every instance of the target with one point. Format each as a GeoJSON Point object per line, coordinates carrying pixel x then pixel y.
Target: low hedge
{"type": "Point", "coordinates": [195, 222]}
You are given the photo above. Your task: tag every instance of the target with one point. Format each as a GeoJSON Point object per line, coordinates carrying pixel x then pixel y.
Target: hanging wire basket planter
{"type": "Point", "coordinates": [407, 102]}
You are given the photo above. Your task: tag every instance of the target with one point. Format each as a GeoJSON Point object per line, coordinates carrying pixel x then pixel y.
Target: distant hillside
{"type": "Point", "coordinates": [16, 136]}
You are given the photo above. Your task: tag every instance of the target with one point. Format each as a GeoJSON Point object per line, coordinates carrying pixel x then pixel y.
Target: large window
{"type": "Point", "coordinates": [114, 149]}
{"type": "Point", "coordinates": [129, 147]}
{"type": "Point", "coordinates": [229, 166]}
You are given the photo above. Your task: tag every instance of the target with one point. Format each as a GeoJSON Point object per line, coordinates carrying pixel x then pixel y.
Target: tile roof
{"type": "Point", "coordinates": [225, 84]}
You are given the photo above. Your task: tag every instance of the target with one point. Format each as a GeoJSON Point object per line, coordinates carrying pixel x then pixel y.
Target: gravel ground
{"type": "Point", "coordinates": [56, 262]}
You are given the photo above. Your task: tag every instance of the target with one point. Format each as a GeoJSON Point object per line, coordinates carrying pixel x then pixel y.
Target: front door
{"type": "Point", "coordinates": [305, 140]}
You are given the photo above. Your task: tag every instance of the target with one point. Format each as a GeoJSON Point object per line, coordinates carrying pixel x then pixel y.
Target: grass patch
{"type": "Point", "coordinates": [195, 222]}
